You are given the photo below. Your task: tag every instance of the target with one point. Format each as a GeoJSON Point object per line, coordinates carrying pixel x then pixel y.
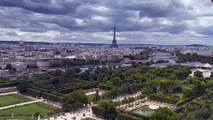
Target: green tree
{"type": "Point", "coordinates": [164, 85]}
{"type": "Point", "coordinates": [203, 114]}
{"type": "Point", "coordinates": [96, 97]}
{"type": "Point", "coordinates": [74, 100]}
{"type": "Point", "coordinates": [23, 86]}
{"type": "Point", "coordinates": [198, 74]}
{"type": "Point", "coordinates": [187, 92]}
{"type": "Point", "coordinates": [105, 79]}
{"type": "Point", "coordinates": [109, 109]}
{"type": "Point", "coordinates": [69, 73]}
{"type": "Point", "coordinates": [124, 88]}
{"type": "Point", "coordinates": [114, 92]}
{"type": "Point", "coordinates": [164, 114]}
{"type": "Point", "coordinates": [116, 81]}
{"type": "Point", "coordinates": [181, 73]}
{"type": "Point", "coordinates": [106, 95]}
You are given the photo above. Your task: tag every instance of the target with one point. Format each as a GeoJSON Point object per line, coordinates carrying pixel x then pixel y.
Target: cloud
{"type": "Point", "coordinates": [138, 21]}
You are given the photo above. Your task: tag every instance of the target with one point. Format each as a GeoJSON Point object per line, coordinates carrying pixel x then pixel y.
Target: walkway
{"type": "Point", "coordinates": [144, 102]}
{"type": "Point", "coordinates": [8, 93]}
{"type": "Point", "coordinates": [77, 115]}
{"type": "Point", "coordinates": [120, 98]}
{"type": "Point", "coordinates": [20, 104]}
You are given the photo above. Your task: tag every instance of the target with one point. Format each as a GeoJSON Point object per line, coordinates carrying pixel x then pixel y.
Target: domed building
{"type": "Point", "coordinates": [208, 66]}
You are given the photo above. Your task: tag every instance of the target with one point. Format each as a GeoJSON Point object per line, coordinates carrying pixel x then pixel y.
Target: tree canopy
{"type": "Point", "coordinates": [74, 100]}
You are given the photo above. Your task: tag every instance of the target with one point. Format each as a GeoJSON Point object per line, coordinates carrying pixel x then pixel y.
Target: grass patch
{"type": "Point", "coordinates": [12, 99]}
{"type": "Point", "coordinates": [28, 111]}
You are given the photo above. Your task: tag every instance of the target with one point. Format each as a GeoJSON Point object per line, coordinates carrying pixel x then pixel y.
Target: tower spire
{"type": "Point", "coordinates": [114, 42]}
{"type": "Point", "coordinates": [114, 37]}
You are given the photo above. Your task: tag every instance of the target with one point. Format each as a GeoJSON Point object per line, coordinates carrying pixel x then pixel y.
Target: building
{"type": "Point", "coordinates": [21, 45]}
{"type": "Point", "coordinates": [43, 64]}
{"type": "Point", "coordinates": [114, 41]}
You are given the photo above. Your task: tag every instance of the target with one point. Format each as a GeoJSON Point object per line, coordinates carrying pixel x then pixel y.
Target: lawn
{"type": "Point", "coordinates": [29, 110]}
{"type": "Point", "coordinates": [12, 99]}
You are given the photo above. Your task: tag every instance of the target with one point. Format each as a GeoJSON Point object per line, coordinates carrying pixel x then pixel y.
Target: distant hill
{"type": "Point", "coordinates": [197, 45]}
{"type": "Point", "coordinates": [26, 42]}
{"type": "Point", "coordinates": [88, 44]}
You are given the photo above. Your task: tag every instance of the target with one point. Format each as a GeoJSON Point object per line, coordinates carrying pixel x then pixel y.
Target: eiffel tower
{"type": "Point", "coordinates": [114, 42]}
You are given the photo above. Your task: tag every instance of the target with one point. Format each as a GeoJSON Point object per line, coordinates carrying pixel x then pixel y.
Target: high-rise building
{"type": "Point", "coordinates": [21, 45]}
{"type": "Point", "coordinates": [114, 42]}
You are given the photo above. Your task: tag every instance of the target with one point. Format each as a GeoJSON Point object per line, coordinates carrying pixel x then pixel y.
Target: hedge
{"type": "Point", "coordinates": [127, 117]}
{"type": "Point", "coordinates": [51, 97]}
{"type": "Point", "coordinates": [164, 98]}
{"type": "Point", "coordinates": [98, 111]}
{"type": "Point", "coordinates": [38, 93]}
{"type": "Point", "coordinates": [74, 86]}
{"type": "Point", "coordinates": [47, 91]}
{"type": "Point", "coordinates": [34, 92]}
{"type": "Point", "coordinates": [8, 84]}
{"type": "Point", "coordinates": [182, 102]}
{"type": "Point", "coordinates": [142, 117]}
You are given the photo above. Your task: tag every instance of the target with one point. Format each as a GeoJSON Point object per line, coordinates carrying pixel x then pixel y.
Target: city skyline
{"type": "Point", "coordinates": [165, 22]}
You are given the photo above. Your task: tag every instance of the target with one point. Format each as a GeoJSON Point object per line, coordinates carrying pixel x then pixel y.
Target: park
{"type": "Point", "coordinates": [138, 92]}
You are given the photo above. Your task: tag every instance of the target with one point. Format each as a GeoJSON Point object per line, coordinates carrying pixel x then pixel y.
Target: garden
{"type": "Point", "coordinates": [11, 99]}
{"type": "Point", "coordinates": [29, 111]}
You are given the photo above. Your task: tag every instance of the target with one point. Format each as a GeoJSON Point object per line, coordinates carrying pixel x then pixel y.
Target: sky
{"type": "Point", "coordinates": [166, 22]}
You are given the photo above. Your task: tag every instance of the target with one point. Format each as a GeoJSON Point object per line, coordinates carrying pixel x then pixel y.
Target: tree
{"type": "Point", "coordinates": [209, 84]}
{"type": "Point", "coordinates": [106, 95]}
{"type": "Point", "coordinates": [164, 114]}
{"type": "Point", "coordinates": [105, 79]}
{"type": "Point", "coordinates": [203, 114]}
{"type": "Point", "coordinates": [109, 109]}
{"type": "Point", "coordinates": [187, 92]}
{"type": "Point", "coordinates": [116, 81]}
{"type": "Point", "coordinates": [164, 85]}
{"type": "Point", "coordinates": [198, 74]}
{"type": "Point", "coordinates": [199, 88]}
{"type": "Point", "coordinates": [8, 67]}
{"type": "Point", "coordinates": [181, 73]}
{"type": "Point", "coordinates": [74, 100]}
{"type": "Point", "coordinates": [211, 75]}
{"type": "Point", "coordinates": [69, 73]}
{"type": "Point", "coordinates": [114, 92]}
{"type": "Point", "coordinates": [23, 86]}
{"type": "Point", "coordinates": [102, 103]}
{"type": "Point", "coordinates": [96, 97]}
{"type": "Point", "coordinates": [124, 88]}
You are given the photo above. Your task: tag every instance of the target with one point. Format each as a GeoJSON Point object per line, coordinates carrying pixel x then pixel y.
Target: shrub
{"type": "Point", "coordinates": [127, 117]}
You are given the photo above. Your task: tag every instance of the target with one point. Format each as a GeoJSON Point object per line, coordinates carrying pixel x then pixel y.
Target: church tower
{"type": "Point", "coordinates": [114, 41]}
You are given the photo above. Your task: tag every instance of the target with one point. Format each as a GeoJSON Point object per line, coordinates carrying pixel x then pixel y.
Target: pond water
{"type": "Point", "coordinates": [144, 110]}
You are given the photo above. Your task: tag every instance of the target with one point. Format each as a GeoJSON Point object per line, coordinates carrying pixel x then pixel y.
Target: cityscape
{"type": "Point", "coordinates": [106, 60]}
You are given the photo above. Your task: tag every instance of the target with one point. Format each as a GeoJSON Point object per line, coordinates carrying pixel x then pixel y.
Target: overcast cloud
{"type": "Point", "coordinates": [137, 21]}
